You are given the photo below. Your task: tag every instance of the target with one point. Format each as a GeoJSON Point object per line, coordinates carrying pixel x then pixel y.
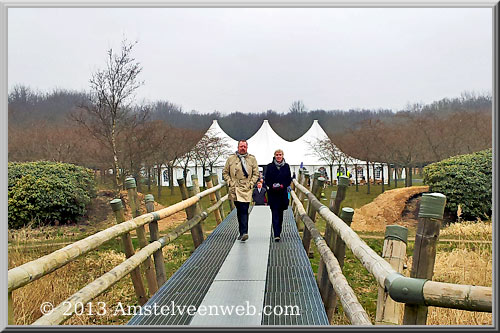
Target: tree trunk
{"type": "Point", "coordinates": [382, 176]}
{"type": "Point", "coordinates": [367, 177]}
{"type": "Point", "coordinates": [149, 179]}
{"type": "Point", "coordinates": [389, 175]}
{"type": "Point", "coordinates": [411, 176]}
{"type": "Point", "coordinates": [158, 173]}
{"type": "Point", "coordinates": [356, 175]}
{"type": "Point", "coordinates": [171, 178]}
{"type": "Point", "coordinates": [115, 156]}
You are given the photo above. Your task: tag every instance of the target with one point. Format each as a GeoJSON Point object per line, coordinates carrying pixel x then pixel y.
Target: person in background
{"type": "Point", "coordinates": [240, 173]}
{"type": "Point", "coordinates": [278, 178]}
{"type": "Point", "coordinates": [259, 195]}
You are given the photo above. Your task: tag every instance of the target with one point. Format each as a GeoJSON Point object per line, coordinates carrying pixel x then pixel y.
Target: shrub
{"type": "Point", "coordinates": [465, 180]}
{"type": "Point", "coordinates": [45, 192]}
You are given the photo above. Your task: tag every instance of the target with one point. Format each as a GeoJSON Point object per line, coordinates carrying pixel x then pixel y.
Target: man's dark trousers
{"type": "Point", "coordinates": [277, 219]}
{"type": "Point", "coordinates": [242, 213]}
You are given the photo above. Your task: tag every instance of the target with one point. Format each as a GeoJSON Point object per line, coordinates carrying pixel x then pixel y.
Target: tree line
{"type": "Point", "coordinates": [105, 128]}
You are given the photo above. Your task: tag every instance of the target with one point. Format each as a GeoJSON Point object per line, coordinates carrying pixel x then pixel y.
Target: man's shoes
{"type": "Point", "coordinates": [277, 239]}
{"type": "Point", "coordinates": [239, 237]}
{"type": "Point", "coordinates": [244, 237]}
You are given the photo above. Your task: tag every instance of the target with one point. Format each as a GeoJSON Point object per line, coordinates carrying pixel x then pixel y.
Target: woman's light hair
{"type": "Point", "coordinates": [279, 151]}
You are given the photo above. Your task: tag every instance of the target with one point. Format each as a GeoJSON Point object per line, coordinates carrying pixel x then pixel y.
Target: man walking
{"type": "Point", "coordinates": [240, 173]}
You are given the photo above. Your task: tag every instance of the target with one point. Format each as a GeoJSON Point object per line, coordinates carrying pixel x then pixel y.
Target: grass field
{"type": "Point", "coordinates": [456, 262]}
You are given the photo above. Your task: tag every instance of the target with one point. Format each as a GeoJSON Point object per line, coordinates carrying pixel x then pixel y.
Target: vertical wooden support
{"type": "Point", "coordinates": [299, 179]}
{"type": "Point", "coordinates": [154, 234]}
{"type": "Point", "coordinates": [213, 198]}
{"type": "Point", "coordinates": [430, 216]}
{"type": "Point", "coordinates": [231, 201]}
{"type": "Point", "coordinates": [215, 182]}
{"type": "Point", "coordinates": [128, 248]}
{"type": "Point", "coordinates": [197, 230]}
{"type": "Point", "coordinates": [149, 269]}
{"type": "Point", "coordinates": [394, 252]}
{"type": "Point", "coordinates": [311, 212]}
{"type": "Point", "coordinates": [339, 252]}
{"type": "Point", "coordinates": [10, 319]}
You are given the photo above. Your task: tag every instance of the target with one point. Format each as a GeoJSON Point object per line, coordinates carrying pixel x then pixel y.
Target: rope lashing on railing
{"type": "Point", "coordinates": [66, 309]}
{"type": "Point", "coordinates": [352, 308]}
{"type": "Point", "coordinates": [33, 270]}
{"type": "Point", "coordinates": [425, 292]}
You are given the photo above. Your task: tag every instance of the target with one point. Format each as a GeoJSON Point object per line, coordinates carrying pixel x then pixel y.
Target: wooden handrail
{"type": "Point", "coordinates": [352, 308]}
{"type": "Point", "coordinates": [450, 295]}
{"type": "Point", "coordinates": [66, 309]}
{"type": "Point", "coordinates": [33, 270]}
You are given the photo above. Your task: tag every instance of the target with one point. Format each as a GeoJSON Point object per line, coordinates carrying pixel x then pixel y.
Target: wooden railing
{"type": "Point", "coordinates": [33, 270]}
{"type": "Point", "coordinates": [417, 292]}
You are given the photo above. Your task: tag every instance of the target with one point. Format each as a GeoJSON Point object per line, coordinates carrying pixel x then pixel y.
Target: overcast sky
{"type": "Point", "coordinates": [255, 59]}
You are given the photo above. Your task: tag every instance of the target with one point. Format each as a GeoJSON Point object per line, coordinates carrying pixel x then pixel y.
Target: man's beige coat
{"type": "Point", "coordinates": [240, 187]}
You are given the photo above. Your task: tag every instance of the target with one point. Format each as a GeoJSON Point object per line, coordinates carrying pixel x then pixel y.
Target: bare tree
{"type": "Point", "coordinates": [112, 92]}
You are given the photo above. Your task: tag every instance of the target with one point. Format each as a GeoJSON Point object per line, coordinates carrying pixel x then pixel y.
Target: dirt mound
{"type": "Point", "coordinates": [386, 209]}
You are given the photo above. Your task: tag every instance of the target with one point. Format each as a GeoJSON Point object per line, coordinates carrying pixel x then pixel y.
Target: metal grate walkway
{"type": "Point", "coordinates": [289, 280]}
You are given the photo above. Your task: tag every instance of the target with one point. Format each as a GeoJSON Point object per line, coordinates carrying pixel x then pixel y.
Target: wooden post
{"type": "Point", "coordinates": [197, 230]}
{"type": "Point", "coordinates": [311, 212]}
{"type": "Point", "coordinates": [430, 216]}
{"type": "Point", "coordinates": [299, 179]}
{"type": "Point", "coordinates": [213, 198]}
{"type": "Point", "coordinates": [128, 248]}
{"type": "Point", "coordinates": [301, 195]}
{"type": "Point", "coordinates": [231, 201]}
{"type": "Point", "coordinates": [339, 252]}
{"type": "Point", "coordinates": [215, 182]}
{"type": "Point", "coordinates": [148, 266]}
{"type": "Point", "coordinates": [394, 252]}
{"type": "Point", "coordinates": [159, 260]}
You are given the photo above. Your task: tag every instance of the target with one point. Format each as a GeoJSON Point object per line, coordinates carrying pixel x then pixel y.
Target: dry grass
{"type": "Point", "coordinates": [466, 263]}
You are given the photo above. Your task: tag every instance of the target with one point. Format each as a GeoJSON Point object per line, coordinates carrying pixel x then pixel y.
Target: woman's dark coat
{"type": "Point", "coordinates": [278, 197]}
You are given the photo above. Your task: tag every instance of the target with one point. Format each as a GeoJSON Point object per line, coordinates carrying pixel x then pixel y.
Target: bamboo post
{"type": "Point", "coordinates": [128, 247]}
{"type": "Point", "coordinates": [316, 190]}
{"type": "Point", "coordinates": [215, 182]}
{"type": "Point", "coordinates": [159, 260]}
{"type": "Point", "coordinates": [148, 265]}
{"type": "Point", "coordinates": [213, 198]}
{"type": "Point", "coordinates": [424, 255]}
{"type": "Point", "coordinates": [197, 231]}
{"type": "Point", "coordinates": [394, 252]}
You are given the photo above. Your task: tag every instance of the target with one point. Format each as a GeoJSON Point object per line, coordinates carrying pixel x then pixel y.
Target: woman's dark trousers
{"type": "Point", "coordinates": [277, 218]}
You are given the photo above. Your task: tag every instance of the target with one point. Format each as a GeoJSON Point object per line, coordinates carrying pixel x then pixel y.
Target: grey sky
{"type": "Point", "coordinates": [255, 59]}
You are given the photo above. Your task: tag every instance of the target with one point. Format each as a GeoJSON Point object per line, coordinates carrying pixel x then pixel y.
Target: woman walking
{"type": "Point", "coordinates": [278, 178]}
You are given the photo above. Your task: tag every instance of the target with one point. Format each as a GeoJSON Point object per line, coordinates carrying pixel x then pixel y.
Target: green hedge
{"type": "Point", "coordinates": [45, 192]}
{"type": "Point", "coordinates": [465, 180]}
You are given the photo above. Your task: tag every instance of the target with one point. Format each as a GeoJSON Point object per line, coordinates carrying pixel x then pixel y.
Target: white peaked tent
{"type": "Point", "coordinates": [297, 153]}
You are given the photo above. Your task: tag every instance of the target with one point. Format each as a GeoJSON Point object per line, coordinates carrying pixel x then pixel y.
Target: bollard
{"type": "Point", "coordinates": [311, 212]}
{"type": "Point", "coordinates": [213, 199]}
{"type": "Point", "coordinates": [149, 270]}
{"type": "Point", "coordinates": [215, 182]}
{"type": "Point", "coordinates": [128, 248]}
{"type": "Point", "coordinates": [430, 216]}
{"type": "Point", "coordinates": [159, 260]}
{"type": "Point", "coordinates": [394, 252]}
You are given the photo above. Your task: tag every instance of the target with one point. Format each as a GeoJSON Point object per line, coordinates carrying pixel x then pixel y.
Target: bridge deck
{"type": "Point", "coordinates": [257, 274]}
